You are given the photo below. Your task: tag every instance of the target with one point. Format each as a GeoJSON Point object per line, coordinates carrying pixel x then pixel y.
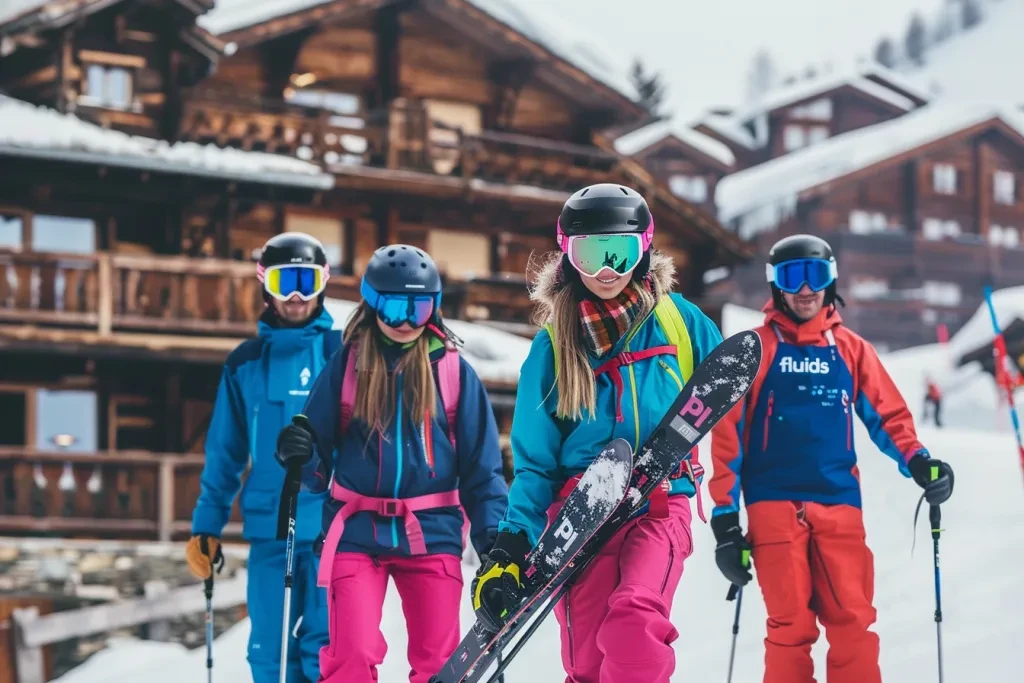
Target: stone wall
{"type": "Point", "coordinates": [75, 574]}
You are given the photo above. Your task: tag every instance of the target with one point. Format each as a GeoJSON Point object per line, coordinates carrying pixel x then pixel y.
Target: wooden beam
{"type": "Point", "coordinates": [278, 58]}
{"type": "Point", "coordinates": [388, 29]}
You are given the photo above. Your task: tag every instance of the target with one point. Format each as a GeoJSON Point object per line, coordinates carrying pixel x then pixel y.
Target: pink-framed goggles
{"type": "Point", "coordinates": [617, 252]}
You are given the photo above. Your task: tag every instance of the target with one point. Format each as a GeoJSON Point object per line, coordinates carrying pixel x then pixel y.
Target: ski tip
{"type": "Point", "coordinates": [617, 448]}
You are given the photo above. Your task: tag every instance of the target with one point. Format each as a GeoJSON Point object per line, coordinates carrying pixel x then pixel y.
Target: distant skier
{"type": "Point", "coordinates": [789, 447]}
{"type": "Point", "coordinates": [405, 426]}
{"type": "Point", "coordinates": [265, 381]}
{"type": "Point", "coordinates": [933, 398]}
{"type": "Point", "coordinates": [612, 358]}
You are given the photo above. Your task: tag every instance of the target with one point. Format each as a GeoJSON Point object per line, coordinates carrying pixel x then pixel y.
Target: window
{"type": "Point", "coordinates": [108, 86]}
{"type": "Point", "coordinates": [941, 293]}
{"type": "Point", "coordinates": [330, 231]}
{"type": "Point", "coordinates": [868, 288]}
{"type": "Point", "coordinates": [866, 222]}
{"type": "Point", "coordinates": [66, 420]}
{"type": "Point", "coordinates": [793, 138]}
{"type": "Point", "coordinates": [937, 229]}
{"type": "Point", "coordinates": [1003, 236]}
{"type": "Point", "coordinates": [818, 134]}
{"type": "Point", "coordinates": [1004, 187]}
{"type": "Point", "coordinates": [463, 255]}
{"type": "Point", "coordinates": [63, 234]}
{"type": "Point", "coordinates": [10, 232]}
{"type": "Point", "coordinates": [944, 178]}
{"type": "Point", "coordinates": [692, 188]}
{"type": "Point", "coordinates": [818, 110]}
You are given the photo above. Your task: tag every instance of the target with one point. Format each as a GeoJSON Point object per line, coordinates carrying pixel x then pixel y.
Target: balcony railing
{"type": "Point", "coordinates": [401, 137]}
{"type": "Point", "coordinates": [138, 495]}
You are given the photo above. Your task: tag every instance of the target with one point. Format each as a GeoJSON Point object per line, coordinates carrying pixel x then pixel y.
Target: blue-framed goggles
{"type": "Point", "coordinates": [396, 309]}
{"type": "Point", "coordinates": [791, 276]}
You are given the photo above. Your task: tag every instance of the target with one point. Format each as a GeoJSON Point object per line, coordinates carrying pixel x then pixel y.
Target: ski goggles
{"type": "Point", "coordinates": [394, 310]}
{"type": "Point", "coordinates": [307, 280]}
{"type": "Point", "coordinates": [618, 252]}
{"type": "Point", "coordinates": [791, 276]}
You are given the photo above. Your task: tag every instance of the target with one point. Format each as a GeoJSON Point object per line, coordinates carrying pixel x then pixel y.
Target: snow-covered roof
{"type": "Point", "coordinates": [31, 131]}
{"type": "Point", "coordinates": [10, 9]}
{"type": "Point", "coordinates": [780, 180]}
{"type": "Point", "coordinates": [640, 139]}
{"type": "Point", "coordinates": [495, 355]}
{"type": "Point", "coordinates": [539, 24]}
{"type": "Point", "coordinates": [982, 63]}
{"type": "Point", "coordinates": [728, 128]}
{"type": "Point", "coordinates": [977, 331]}
{"type": "Point", "coordinates": [231, 15]}
{"type": "Point", "coordinates": [807, 89]}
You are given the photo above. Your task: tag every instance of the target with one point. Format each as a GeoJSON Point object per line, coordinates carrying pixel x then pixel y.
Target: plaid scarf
{"type": "Point", "coordinates": [606, 321]}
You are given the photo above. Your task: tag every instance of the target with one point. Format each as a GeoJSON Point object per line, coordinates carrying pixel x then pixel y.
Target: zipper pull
{"type": "Point", "coordinates": [771, 402]}
{"type": "Point", "coordinates": [846, 402]}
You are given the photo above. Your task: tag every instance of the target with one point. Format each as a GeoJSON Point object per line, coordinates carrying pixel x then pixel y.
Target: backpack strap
{"type": "Point", "coordinates": [671, 321]}
{"type": "Point", "coordinates": [450, 384]}
{"type": "Point", "coordinates": [348, 386]}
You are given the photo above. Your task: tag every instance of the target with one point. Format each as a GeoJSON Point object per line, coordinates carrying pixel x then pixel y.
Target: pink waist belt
{"type": "Point", "coordinates": [406, 508]}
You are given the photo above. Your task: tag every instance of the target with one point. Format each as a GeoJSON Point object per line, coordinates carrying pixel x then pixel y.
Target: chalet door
{"type": "Point", "coordinates": [66, 421]}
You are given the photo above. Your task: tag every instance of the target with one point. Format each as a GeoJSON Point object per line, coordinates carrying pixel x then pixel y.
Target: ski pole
{"type": "Point", "coordinates": [208, 590]}
{"type": "Point", "coordinates": [1001, 359]}
{"type": "Point", "coordinates": [735, 593]}
{"type": "Point", "coordinates": [935, 516]}
{"type": "Point", "coordinates": [286, 519]}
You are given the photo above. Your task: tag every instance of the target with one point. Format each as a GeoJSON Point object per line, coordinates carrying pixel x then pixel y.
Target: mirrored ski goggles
{"type": "Point", "coordinates": [396, 309]}
{"type": "Point", "coordinates": [282, 282]}
{"type": "Point", "coordinates": [619, 252]}
{"type": "Point", "coordinates": [791, 276]}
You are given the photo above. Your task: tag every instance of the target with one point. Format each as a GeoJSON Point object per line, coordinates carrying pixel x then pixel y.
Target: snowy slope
{"type": "Point", "coordinates": [980, 65]}
{"type": "Point", "coordinates": [983, 597]}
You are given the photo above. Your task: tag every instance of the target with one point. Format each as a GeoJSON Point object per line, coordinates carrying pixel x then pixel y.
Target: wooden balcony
{"type": "Point", "coordinates": [132, 495]}
{"type": "Point", "coordinates": [401, 137]}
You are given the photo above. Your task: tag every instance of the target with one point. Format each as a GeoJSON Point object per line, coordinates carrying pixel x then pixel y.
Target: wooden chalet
{"type": "Point", "coordinates": [153, 146]}
{"type": "Point", "coordinates": [923, 211]}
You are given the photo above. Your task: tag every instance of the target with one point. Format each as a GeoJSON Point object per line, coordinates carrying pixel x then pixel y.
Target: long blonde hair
{"type": "Point", "coordinates": [574, 382]}
{"type": "Point", "coordinates": [375, 388]}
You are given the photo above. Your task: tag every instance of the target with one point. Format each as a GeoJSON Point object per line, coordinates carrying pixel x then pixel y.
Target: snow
{"type": "Point", "coordinates": [801, 91]}
{"type": "Point", "coordinates": [982, 592]}
{"type": "Point", "coordinates": [496, 356]}
{"type": "Point", "coordinates": [11, 9]}
{"type": "Point", "coordinates": [640, 139]}
{"type": "Point", "coordinates": [779, 181]}
{"type": "Point", "coordinates": [604, 481]}
{"type": "Point", "coordinates": [980, 64]}
{"type": "Point", "coordinates": [728, 128]}
{"type": "Point", "coordinates": [27, 130]}
{"type": "Point", "coordinates": [231, 15]}
{"type": "Point", "coordinates": [537, 23]}
{"type": "Point", "coordinates": [1009, 305]}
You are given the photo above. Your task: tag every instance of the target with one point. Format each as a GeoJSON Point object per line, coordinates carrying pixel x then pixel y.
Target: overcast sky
{"type": "Point", "coordinates": [704, 47]}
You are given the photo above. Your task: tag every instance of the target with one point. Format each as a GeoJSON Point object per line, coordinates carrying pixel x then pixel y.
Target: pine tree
{"type": "Point", "coordinates": [885, 53]}
{"type": "Point", "coordinates": [762, 77]}
{"type": "Point", "coordinates": [650, 89]}
{"type": "Point", "coordinates": [914, 40]}
{"type": "Point", "coordinates": [970, 13]}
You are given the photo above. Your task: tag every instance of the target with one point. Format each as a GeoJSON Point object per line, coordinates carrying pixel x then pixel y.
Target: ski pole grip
{"type": "Point", "coordinates": [733, 592]}
{"type": "Point", "coordinates": [935, 517]}
{"type": "Point", "coordinates": [208, 585]}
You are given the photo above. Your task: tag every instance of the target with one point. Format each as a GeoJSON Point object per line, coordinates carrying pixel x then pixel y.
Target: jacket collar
{"type": "Point", "coordinates": [295, 336]}
{"type": "Point", "coordinates": [809, 332]}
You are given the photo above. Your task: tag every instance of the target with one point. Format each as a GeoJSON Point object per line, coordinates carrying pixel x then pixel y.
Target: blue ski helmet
{"type": "Point", "coordinates": [401, 270]}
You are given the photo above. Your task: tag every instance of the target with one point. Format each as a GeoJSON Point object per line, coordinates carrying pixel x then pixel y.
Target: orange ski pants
{"type": "Point", "coordinates": [812, 563]}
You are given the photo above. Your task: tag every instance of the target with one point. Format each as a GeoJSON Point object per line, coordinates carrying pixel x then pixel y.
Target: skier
{"type": "Point", "coordinates": [414, 438]}
{"type": "Point", "coordinates": [265, 381]}
{"type": "Point", "coordinates": [789, 444]}
{"type": "Point", "coordinates": [602, 367]}
{"type": "Point", "coordinates": [933, 398]}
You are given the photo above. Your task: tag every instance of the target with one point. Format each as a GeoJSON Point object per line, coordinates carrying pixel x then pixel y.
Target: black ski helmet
{"type": "Point", "coordinates": [798, 247]}
{"type": "Point", "coordinates": [605, 208]}
{"type": "Point", "coordinates": [402, 269]}
{"type": "Point", "coordinates": [293, 247]}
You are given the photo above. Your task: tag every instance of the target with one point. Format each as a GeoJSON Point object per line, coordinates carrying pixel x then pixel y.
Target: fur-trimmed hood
{"type": "Point", "coordinates": [548, 281]}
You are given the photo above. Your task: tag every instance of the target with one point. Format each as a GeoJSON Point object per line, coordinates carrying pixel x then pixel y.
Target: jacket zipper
{"type": "Point", "coordinates": [636, 405]}
{"type": "Point", "coordinates": [768, 420]}
{"type": "Point", "coordinates": [398, 460]}
{"type": "Point", "coordinates": [668, 569]}
{"type": "Point", "coordinates": [568, 630]}
{"type": "Point", "coordinates": [671, 372]}
{"type": "Point", "coordinates": [253, 440]}
{"type": "Point", "coordinates": [849, 420]}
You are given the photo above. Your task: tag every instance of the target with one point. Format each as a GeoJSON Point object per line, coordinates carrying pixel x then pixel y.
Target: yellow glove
{"type": "Point", "coordinates": [499, 584]}
{"type": "Point", "coordinates": [203, 553]}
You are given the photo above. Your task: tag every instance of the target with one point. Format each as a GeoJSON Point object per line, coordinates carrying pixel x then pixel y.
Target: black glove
{"type": "Point", "coordinates": [934, 476]}
{"type": "Point", "coordinates": [499, 585]}
{"type": "Point", "coordinates": [295, 442]}
{"type": "Point", "coordinates": [732, 554]}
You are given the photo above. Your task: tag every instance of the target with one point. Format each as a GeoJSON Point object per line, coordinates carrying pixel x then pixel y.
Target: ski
{"type": "Point", "coordinates": [715, 386]}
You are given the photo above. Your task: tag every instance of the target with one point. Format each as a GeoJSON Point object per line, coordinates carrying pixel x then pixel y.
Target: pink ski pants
{"type": "Point", "coordinates": [615, 621]}
{"type": "Point", "coordinates": [430, 587]}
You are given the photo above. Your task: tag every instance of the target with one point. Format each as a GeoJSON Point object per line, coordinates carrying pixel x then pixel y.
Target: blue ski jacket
{"type": "Point", "coordinates": [549, 450]}
{"type": "Point", "coordinates": [264, 383]}
{"type": "Point", "coordinates": [397, 466]}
